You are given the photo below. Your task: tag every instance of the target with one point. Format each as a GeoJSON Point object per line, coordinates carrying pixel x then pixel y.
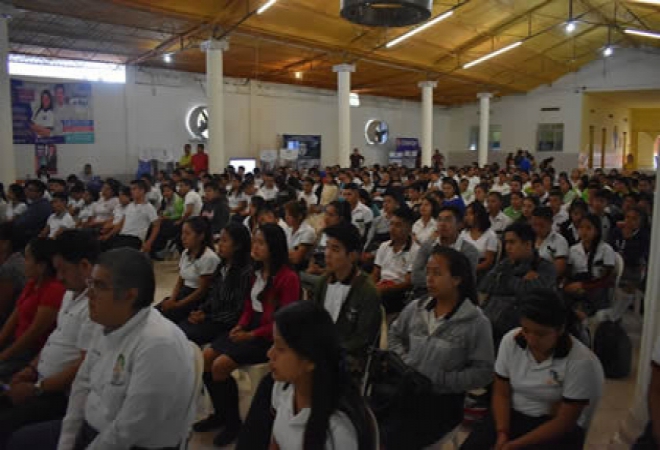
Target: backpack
{"type": "Point", "coordinates": [614, 349]}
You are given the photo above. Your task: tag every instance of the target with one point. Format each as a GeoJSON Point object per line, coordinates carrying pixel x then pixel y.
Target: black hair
{"type": "Point", "coordinates": [545, 307]}
{"type": "Point", "coordinates": [365, 197]}
{"type": "Point", "coordinates": [459, 266]}
{"type": "Point", "coordinates": [210, 185]}
{"type": "Point", "coordinates": [309, 331]}
{"type": "Point", "coordinates": [297, 209]}
{"type": "Point", "coordinates": [60, 196]}
{"type": "Point", "coordinates": [534, 199]}
{"type": "Point", "coordinates": [59, 181]}
{"type": "Point", "coordinates": [596, 223]}
{"type": "Point", "coordinates": [36, 184]}
{"type": "Point", "coordinates": [147, 177]}
{"type": "Point", "coordinates": [406, 214]}
{"type": "Point", "coordinates": [277, 249]}
{"type": "Point", "coordinates": [114, 186]}
{"type": "Point", "coordinates": [343, 210]}
{"type": "Point", "coordinates": [47, 93]}
{"type": "Point", "coordinates": [351, 187]}
{"type": "Point", "coordinates": [17, 191]}
{"type": "Point", "coordinates": [435, 206]}
{"type": "Point", "coordinates": [188, 182]}
{"type": "Point", "coordinates": [200, 225]}
{"type": "Point", "coordinates": [241, 242]}
{"type": "Point", "coordinates": [454, 185]}
{"type": "Point", "coordinates": [77, 188]}
{"type": "Point", "coordinates": [517, 194]}
{"type": "Point", "coordinates": [7, 234]}
{"type": "Point", "coordinates": [481, 219]}
{"type": "Point", "coordinates": [130, 269]}
{"type": "Point", "coordinates": [556, 193]}
{"type": "Point", "coordinates": [452, 209]}
{"type": "Point", "coordinates": [523, 230]}
{"type": "Point", "coordinates": [347, 234]}
{"type": "Point", "coordinates": [124, 190]}
{"type": "Point", "coordinates": [543, 212]}
{"type": "Point", "coordinates": [75, 245]}
{"type": "Point", "coordinates": [602, 194]}
{"type": "Point", "coordinates": [140, 184]}
{"type": "Point", "coordinates": [43, 250]}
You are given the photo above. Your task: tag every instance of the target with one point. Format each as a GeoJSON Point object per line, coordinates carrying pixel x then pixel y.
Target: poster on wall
{"type": "Point", "coordinates": [407, 152]}
{"type": "Point", "coordinates": [268, 160]}
{"type": "Point", "coordinates": [289, 157]}
{"type": "Point", "coordinates": [45, 156]}
{"type": "Point", "coordinates": [308, 147]}
{"type": "Point", "coordinates": [59, 112]}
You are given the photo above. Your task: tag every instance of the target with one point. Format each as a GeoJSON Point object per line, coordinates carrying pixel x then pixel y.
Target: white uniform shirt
{"type": "Point", "coordinates": [257, 287]}
{"type": "Point", "coordinates": [72, 335]}
{"type": "Point", "coordinates": [154, 197]}
{"type": "Point", "coordinates": [134, 387]}
{"type": "Point", "coordinates": [59, 221]}
{"type": "Point", "coordinates": [13, 211]}
{"type": "Point", "coordinates": [194, 199]}
{"type": "Point", "coordinates": [304, 235]}
{"type": "Point", "coordinates": [335, 296]}
{"type": "Point", "coordinates": [289, 428]}
{"type": "Point", "coordinates": [104, 209]}
{"type": "Point", "coordinates": [394, 266]}
{"type": "Point", "coordinates": [487, 242]}
{"type": "Point", "coordinates": [499, 223]}
{"type": "Point", "coordinates": [137, 218]}
{"type": "Point", "coordinates": [45, 119]}
{"type": "Point", "coordinates": [361, 216]}
{"type": "Point", "coordinates": [76, 204]}
{"type": "Point", "coordinates": [559, 218]}
{"type": "Point", "coordinates": [553, 246]}
{"type": "Point", "coordinates": [536, 388]}
{"type": "Point", "coordinates": [423, 232]}
{"type": "Point", "coordinates": [118, 213]}
{"type": "Point", "coordinates": [268, 194]}
{"type": "Point", "coordinates": [578, 260]}
{"type": "Point", "coordinates": [311, 199]}
{"type": "Point", "coordinates": [191, 269]}
{"type": "Point", "coordinates": [234, 199]}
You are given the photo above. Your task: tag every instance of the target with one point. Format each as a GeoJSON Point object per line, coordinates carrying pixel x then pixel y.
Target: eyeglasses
{"type": "Point", "coordinates": [97, 285]}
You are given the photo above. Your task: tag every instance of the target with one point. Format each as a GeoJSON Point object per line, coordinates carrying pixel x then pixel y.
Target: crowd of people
{"type": "Point", "coordinates": [487, 276]}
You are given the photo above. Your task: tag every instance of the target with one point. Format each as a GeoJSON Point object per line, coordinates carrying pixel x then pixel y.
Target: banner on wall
{"type": "Point", "coordinates": [45, 155]}
{"type": "Point", "coordinates": [59, 112]}
{"type": "Point", "coordinates": [289, 157]}
{"type": "Point", "coordinates": [308, 147]}
{"type": "Point", "coordinates": [407, 152]}
{"type": "Point", "coordinates": [268, 160]}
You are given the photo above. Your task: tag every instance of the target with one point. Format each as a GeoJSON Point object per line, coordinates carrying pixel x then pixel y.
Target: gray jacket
{"type": "Point", "coordinates": [457, 357]}
{"type": "Point", "coordinates": [424, 253]}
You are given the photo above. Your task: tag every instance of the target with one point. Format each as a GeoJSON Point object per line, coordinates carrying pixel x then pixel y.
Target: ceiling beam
{"type": "Point", "coordinates": [610, 22]}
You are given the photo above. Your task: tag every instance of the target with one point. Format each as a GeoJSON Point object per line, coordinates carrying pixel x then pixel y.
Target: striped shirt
{"type": "Point", "coordinates": [230, 287]}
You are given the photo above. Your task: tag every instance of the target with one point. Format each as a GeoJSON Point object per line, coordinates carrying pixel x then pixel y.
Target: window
{"type": "Point", "coordinates": [550, 137]}
{"type": "Point", "coordinates": [494, 138]}
{"type": "Point", "coordinates": [36, 66]}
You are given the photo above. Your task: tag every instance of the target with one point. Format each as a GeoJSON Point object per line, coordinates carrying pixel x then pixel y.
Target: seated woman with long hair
{"type": "Point", "coordinates": [446, 338]}
{"type": "Point", "coordinates": [35, 314]}
{"type": "Point", "coordinates": [274, 285]}
{"type": "Point", "coordinates": [316, 404]}
{"type": "Point", "coordinates": [547, 383]}
{"type": "Point", "coordinates": [479, 233]}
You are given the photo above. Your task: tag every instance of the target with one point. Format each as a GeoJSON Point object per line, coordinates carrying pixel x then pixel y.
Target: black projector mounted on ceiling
{"type": "Point", "coordinates": [386, 13]}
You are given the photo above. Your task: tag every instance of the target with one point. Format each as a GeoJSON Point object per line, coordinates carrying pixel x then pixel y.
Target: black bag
{"type": "Point", "coordinates": [614, 349]}
{"type": "Point", "coordinates": [391, 382]}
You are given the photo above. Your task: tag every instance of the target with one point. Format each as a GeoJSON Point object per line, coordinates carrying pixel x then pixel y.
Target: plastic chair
{"type": "Point", "coordinates": [449, 438]}
{"type": "Point", "coordinates": [252, 374]}
{"type": "Point", "coordinates": [617, 306]}
{"type": "Point", "coordinates": [199, 399]}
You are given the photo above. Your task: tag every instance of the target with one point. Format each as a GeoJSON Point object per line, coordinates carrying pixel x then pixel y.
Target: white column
{"type": "Point", "coordinates": [484, 127]}
{"type": "Point", "coordinates": [427, 121]}
{"type": "Point", "coordinates": [215, 93]}
{"type": "Point", "coordinates": [344, 106]}
{"type": "Point", "coordinates": [7, 156]}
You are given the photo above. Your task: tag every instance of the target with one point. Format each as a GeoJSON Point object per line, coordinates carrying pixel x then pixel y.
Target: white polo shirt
{"type": "Point", "coordinates": [234, 199]}
{"type": "Point", "coordinates": [487, 242]}
{"type": "Point", "coordinates": [578, 259]}
{"type": "Point", "coordinates": [289, 428]}
{"type": "Point", "coordinates": [193, 198]}
{"type": "Point", "coordinates": [394, 266]}
{"type": "Point", "coordinates": [268, 194]}
{"type": "Point", "coordinates": [104, 209]}
{"type": "Point", "coordinates": [118, 213]}
{"type": "Point", "coordinates": [311, 198]}
{"type": "Point", "coordinates": [499, 223]}
{"type": "Point", "coordinates": [554, 246]}
{"type": "Point", "coordinates": [536, 388]}
{"type": "Point", "coordinates": [361, 216]}
{"type": "Point", "coordinates": [13, 211]}
{"type": "Point", "coordinates": [154, 197]}
{"type": "Point", "coordinates": [57, 221]}
{"type": "Point", "coordinates": [304, 235]}
{"type": "Point", "coordinates": [72, 335]}
{"type": "Point", "coordinates": [423, 232]}
{"type": "Point", "coordinates": [134, 387]}
{"type": "Point", "coordinates": [558, 219]}
{"type": "Point", "coordinates": [137, 218]}
{"type": "Point", "coordinates": [191, 269]}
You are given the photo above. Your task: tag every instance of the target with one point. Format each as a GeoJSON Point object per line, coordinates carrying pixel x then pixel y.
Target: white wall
{"type": "Point", "coordinates": [609, 116]}
{"type": "Point", "coordinates": [149, 112]}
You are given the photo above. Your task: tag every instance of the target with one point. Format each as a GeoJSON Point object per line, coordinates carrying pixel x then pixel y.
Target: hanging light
{"type": "Point", "coordinates": [298, 75]}
{"type": "Point", "coordinates": [570, 26]}
{"type": "Point", "coordinates": [642, 33]}
{"type": "Point", "coordinates": [492, 55]}
{"type": "Point", "coordinates": [386, 13]}
{"type": "Point", "coordinates": [608, 51]}
{"type": "Point", "coordinates": [167, 58]}
{"type": "Point", "coordinates": [420, 28]}
{"type": "Point", "coordinates": [266, 6]}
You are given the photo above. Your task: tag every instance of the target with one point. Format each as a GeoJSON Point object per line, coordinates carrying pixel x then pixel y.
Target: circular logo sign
{"type": "Point", "coordinates": [198, 123]}
{"type": "Point", "coordinates": [376, 132]}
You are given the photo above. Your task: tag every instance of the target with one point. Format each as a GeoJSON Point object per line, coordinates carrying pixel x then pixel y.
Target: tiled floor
{"type": "Point", "coordinates": [617, 399]}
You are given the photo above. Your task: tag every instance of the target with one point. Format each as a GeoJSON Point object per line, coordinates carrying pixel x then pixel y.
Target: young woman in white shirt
{"type": "Point", "coordinates": [103, 210]}
{"type": "Point", "coordinates": [425, 228]}
{"type": "Point", "coordinates": [196, 267]}
{"type": "Point", "coordinates": [479, 234]}
{"type": "Point", "coordinates": [235, 197]}
{"type": "Point", "coordinates": [15, 202]}
{"type": "Point", "coordinates": [315, 402]}
{"type": "Point", "coordinates": [547, 383]}
{"type": "Point", "coordinates": [301, 235]}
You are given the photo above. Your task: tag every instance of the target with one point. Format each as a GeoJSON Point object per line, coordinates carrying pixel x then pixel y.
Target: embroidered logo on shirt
{"type": "Point", "coordinates": [118, 371]}
{"type": "Point", "coordinates": [555, 380]}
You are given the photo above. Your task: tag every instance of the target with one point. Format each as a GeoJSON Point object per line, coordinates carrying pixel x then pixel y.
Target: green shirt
{"type": "Point", "coordinates": [514, 214]}
{"type": "Point", "coordinates": [174, 208]}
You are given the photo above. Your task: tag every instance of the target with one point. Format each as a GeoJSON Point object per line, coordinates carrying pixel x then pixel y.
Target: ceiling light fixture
{"type": "Point", "coordinates": [419, 29]}
{"type": "Point", "coordinates": [642, 33]}
{"type": "Point", "coordinates": [167, 58]}
{"type": "Point", "coordinates": [266, 6]}
{"type": "Point", "coordinates": [608, 51]}
{"type": "Point", "coordinates": [492, 55]}
{"type": "Point", "coordinates": [386, 13]}
{"type": "Point", "coordinates": [298, 75]}
{"type": "Point", "coordinates": [570, 26]}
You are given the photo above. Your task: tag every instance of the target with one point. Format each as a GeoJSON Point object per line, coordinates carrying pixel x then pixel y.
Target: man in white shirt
{"type": "Point", "coordinates": [268, 191]}
{"type": "Point", "coordinates": [498, 220]}
{"type": "Point", "coordinates": [153, 196]}
{"type": "Point", "coordinates": [559, 213]}
{"type": "Point", "coordinates": [132, 229]}
{"type": "Point", "coordinates": [192, 201]}
{"type": "Point", "coordinates": [60, 220]}
{"type": "Point", "coordinates": [360, 213]}
{"type": "Point", "coordinates": [40, 391]}
{"type": "Point", "coordinates": [394, 261]}
{"type": "Point", "coordinates": [136, 384]}
{"type": "Point", "coordinates": [550, 245]}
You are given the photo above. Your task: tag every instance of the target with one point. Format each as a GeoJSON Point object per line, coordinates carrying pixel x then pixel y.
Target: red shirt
{"type": "Point", "coordinates": [200, 163]}
{"type": "Point", "coordinates": [49, 294]}
{"type": "Point", "coordinates": [285, 289]}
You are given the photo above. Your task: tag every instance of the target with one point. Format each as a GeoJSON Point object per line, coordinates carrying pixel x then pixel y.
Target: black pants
{"type": "Point", "coordinates": [646, 441]}
{"type": "Point", "coordinates": [420, 422]}
{"type": "Point", "coordinates": [181, 313]}
{"type": "Point", "coordinates": [122, 240]}
{"type": "Point", "coordinates": [168, 231]}
{"type": "Point", "coordinates": [49, 406]}
{"type": "Point", "coordinates": [87, 434]}
{"type": "Point", "coordinates": [484, 435]}
{"type": "Point", "coordinates": [258, 426]}
{"type": "Point", "coordinates": [394, 300]}
{"type": "Point", "coordinates": [203, 333]}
